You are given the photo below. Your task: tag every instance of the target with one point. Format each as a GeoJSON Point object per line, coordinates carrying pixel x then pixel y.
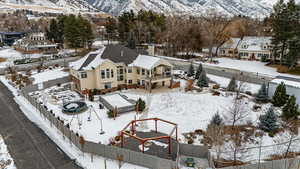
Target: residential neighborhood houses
{"type": "Point", "coordinates": [145, 90]}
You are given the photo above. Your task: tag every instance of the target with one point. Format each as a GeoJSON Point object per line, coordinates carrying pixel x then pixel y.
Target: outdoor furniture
{"type": "Point", "coordinates": [190, 162]}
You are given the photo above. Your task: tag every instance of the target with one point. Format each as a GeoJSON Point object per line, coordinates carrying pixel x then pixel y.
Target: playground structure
{"type": "Point", "coordinates": [132, 133]}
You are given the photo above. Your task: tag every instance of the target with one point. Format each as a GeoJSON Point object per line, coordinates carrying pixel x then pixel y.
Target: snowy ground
{"type": "Point", "coordinates": [56, 136]}
{"type": "Point", "coordinates": [6, 162]}
{"type": "Point", "coordinates": [10, 55]}
{"type": "Point", "coordinates": [190, 111]}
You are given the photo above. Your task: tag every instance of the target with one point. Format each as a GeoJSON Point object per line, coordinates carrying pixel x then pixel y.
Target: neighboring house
{"type": "Point", "coordinates": [116, 66]}
{"type": "Point", "coordinates": [250, 47]}
{"type": "Point", "coordinates": [292, 86]}
{"type": "Point", "coordinates": [9, 38]}
{"type": "Point", "coordinates": [35, 43]}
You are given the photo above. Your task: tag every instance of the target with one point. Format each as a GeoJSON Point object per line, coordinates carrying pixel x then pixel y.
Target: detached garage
{"type": "Point", "coordinates": [292, 86]}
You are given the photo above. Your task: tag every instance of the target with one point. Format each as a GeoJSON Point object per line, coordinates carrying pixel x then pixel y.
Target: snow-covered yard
{"type": "Point", "coordinates": [6, 162]}
{"type": "Point", "coordinates": [71, 151]}
{"type": "Point", "coordinates": [10, 55]}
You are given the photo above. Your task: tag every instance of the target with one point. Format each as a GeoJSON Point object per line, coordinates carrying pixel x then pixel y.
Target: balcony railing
{"type": "Point", "coordinates": [158, 77]}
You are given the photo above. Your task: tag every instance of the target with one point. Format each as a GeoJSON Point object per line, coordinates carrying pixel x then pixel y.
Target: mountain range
{"type": "Point", "coordinates": [253, 8]}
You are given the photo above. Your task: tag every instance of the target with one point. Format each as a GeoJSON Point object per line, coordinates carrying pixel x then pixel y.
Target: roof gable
{"type": "Point", "coordinates": [119, 54]}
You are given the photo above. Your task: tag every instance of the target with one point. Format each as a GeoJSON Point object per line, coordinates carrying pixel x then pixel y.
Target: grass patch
{"type": "Point", "coordinates": [285, 69]}
{"type": "Point", "coordinates": [3, 59]}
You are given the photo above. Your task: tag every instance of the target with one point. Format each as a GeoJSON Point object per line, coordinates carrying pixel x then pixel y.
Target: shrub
{"type": "Point", "coordinates": [290, 110]}
{"type": "Point", "coordinates": [191, 71]}
{"type": "Point", "coordinates": [232, 85]}
{"type": "Point", "coordinates": [140, 105]}
{"type": "Point", "coordinates": [216, 120]}
{"type": "Point", "coordinates": [216, 93]}
{"type": "Point", "coordinates": [203, 80]}
{"type": "Point", "coordinates": [110, 114]}
{"type": "Point", "coordinates": [282, 69]}
{"type": "Point", "coordinates": [268, 121]}
{"type": "Point", "coordinates": [190, 141]}
{"type": "Point", "coordinates": [262, 95]}
{"type": "Point", "coordinates": [216, 86]}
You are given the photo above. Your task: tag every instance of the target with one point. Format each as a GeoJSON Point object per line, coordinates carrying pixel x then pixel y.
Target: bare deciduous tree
{"type": "Point", "coordinates": [214, 26]}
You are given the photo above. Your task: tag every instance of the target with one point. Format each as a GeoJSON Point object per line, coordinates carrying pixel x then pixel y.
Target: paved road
{"type": "Point", "coordinates": [27, 144]}
{"type": "Point", "coordinates": [225, 72]}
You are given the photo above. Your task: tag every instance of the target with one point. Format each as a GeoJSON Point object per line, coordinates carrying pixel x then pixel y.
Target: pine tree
{"type": "Point", "coordinates": [280, 97]}
{"type": "Point", "coordinates": [203, 80]}
{"type": "Point", "coordinates": [262, 95]}
{"type": "Point", "coordinates": [268, 121]}
{"type": "Point", "coordinates": [199, 71]}
{"type": "Point", "coordinates": [290, 110]}
{"type": "Point", "coordinates": [191, 71]}
{"type": "Point", "coordinates": [232, 85]}
{"type": "Point", "coordinates": [216, 120]}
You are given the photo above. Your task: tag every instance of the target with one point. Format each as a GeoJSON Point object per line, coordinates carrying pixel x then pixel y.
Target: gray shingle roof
{"type": "Point", "coordinates": [89, 59]}
{"type": "Point", "coordinates": [120, 54]}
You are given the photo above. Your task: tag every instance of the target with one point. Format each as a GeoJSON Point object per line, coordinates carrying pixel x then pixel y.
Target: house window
{"type": "Point", "coordinates": [107, 85]}
{"type": "Point", "coordinates": [138, 82]}
{"type": "Point", "coordinates": [138, 71]}
{"type": "Point", "coordinates": [129, 81]}
{"type": "Point", "coordinates": [102, 74]}
{"type": "Point", "coordinates": [129, 70]}
{"type": "Point", "coordinates": [143, 71]}
{"type": "Point", "coordinates": [112, 73]}
{"type": "Point", "coordinates": [120, 74]}
{"type": "Point", "coordinates": [107, 73]}
{"type": "Point", "coordinates": [83, 75]}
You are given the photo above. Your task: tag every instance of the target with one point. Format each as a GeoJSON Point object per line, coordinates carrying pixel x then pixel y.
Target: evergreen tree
{"type": "Point", "coordinates": [232, 85]}
{"type": "Point", "coordinates": [191, 71]}
{"type": "Point", "coordinates": [262, 95]}
{"type": "Point", "coordinates": [203, 80]}
{"type": "Point", "coordinates": [280, 97]}
{"type": "Point", "coordinates": [216, 120]}
{"type": "Point", "coordinates": [199, 71]}
{"type": "Point", "coordinates": [268, 121]}
{"type": "Point", "coordinates": [290, 110]}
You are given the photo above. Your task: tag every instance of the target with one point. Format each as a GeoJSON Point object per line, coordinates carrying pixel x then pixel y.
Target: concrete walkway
{"type": "Point", "coordinates": [28, 145]}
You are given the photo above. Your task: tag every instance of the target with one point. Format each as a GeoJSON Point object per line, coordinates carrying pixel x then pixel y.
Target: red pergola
{"type": "Point", "coordinates": [132, 125]}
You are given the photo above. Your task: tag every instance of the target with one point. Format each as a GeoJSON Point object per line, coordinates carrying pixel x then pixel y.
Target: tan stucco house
{"type": "Point", "coordinates": [116, 66]}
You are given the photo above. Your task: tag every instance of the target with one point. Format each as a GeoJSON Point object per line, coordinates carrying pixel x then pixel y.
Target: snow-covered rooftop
{"type": "Point", "coordinates": [146, 62]}
{"type": "Point", "coordinates": [90, 61]}
{"type": "Point", "coordinates": [287, 81]}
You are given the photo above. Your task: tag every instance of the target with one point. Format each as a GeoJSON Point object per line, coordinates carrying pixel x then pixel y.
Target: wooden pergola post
{"type": "Point", "coordinates": [122, 139]}
{"type": "Point", "coordinates": [156, 125]}
{"type": "Point", "coordinates": [170, 146]}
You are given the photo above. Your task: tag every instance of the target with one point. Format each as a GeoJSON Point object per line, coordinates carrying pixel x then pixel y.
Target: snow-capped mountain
{"type": "Point", "coordinates": [253, 8]}
{"type": "Point", "coordinates": [49, 5]}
